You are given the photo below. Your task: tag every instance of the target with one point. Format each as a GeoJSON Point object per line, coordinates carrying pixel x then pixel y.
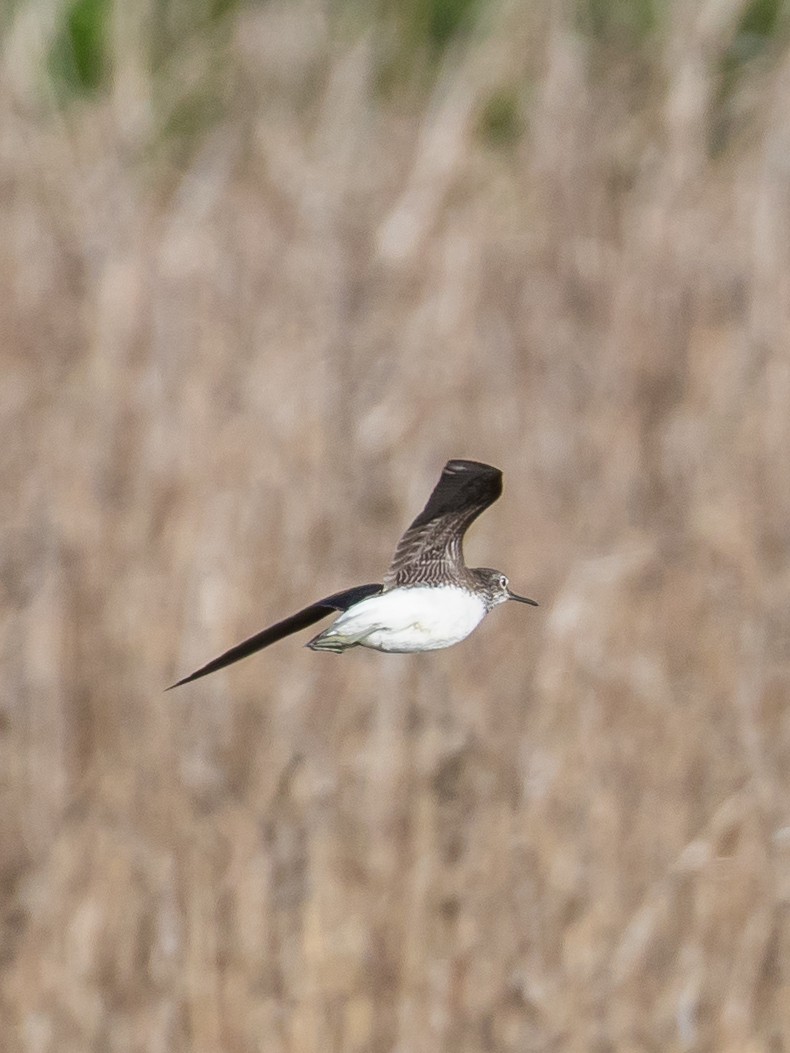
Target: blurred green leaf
{"type": "Point", "coordinates": [430, 23]}
{"type": "Point", "coordinates": [761, 32]}
{"type": "Point", "coordinates": [618, 22]}
{"type": "Point", "coordinates": [413, 34]}
{"type": "Point", "coordinates": [761, 18]}
{"type": "Point", "coordinates": [501, 121]}
{"type": "Point", "coordinates": [758, 29]}
{"type": "Point", "coordinates": [79, 60]}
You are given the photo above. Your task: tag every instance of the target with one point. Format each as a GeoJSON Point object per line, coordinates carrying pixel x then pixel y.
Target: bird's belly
{"type": "Point", "coordinates": [414, 638]}
{"type": "Point", "coordinates": [413, 619]}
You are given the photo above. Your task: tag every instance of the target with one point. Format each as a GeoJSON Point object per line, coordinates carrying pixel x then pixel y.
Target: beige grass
{"type": "Point", "coordinates": [226, 387]}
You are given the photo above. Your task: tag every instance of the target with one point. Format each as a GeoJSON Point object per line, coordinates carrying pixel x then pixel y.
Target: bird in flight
{"type": "Point", "coordinates": [429, 599]}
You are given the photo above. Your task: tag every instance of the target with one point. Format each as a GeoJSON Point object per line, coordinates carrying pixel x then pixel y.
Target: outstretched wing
{"type": "Point", "coordinates": [430, 550]}
{"type": "Point", "coordinates": [340, 601]}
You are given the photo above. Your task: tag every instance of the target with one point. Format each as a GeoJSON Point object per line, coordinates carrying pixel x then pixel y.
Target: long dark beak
{"type": "Point", "coordinates": [522, 599]}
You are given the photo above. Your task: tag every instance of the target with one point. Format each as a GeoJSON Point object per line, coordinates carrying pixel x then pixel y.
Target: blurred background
{"type": "Point", "coordinates": [265, 267]}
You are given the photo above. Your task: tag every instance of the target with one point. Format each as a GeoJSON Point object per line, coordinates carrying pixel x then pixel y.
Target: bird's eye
{"type": "Point", "coordinates": [503, 581]}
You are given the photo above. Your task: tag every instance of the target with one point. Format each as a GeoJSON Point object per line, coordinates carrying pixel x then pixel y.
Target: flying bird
{"type": "Point", "coordinates": [429, 599]}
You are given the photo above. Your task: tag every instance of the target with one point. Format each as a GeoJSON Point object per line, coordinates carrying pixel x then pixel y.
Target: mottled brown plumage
{"type": "Point", "coordinates": [430, 552]}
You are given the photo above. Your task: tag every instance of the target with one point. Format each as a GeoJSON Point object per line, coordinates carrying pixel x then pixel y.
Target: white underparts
{"type": "Point", "coordinates": [422, 618]}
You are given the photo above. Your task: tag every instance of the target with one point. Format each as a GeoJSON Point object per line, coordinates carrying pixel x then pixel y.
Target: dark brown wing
{"type": "Point", "coordinates": [430, 550]}
{"type": "Point", "coordinates": [340, 601]}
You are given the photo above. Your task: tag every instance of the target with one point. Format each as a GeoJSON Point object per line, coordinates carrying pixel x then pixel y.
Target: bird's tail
{"type": "Point", "coordinates": [336, 640]}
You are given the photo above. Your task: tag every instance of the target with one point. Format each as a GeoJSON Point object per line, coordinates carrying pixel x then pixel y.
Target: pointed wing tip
{"type": "Point", "coordinates": [203, 671]}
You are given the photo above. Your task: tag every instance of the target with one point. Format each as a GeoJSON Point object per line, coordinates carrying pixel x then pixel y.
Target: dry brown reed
{"type": "Point", "coordinates": [230, 375]}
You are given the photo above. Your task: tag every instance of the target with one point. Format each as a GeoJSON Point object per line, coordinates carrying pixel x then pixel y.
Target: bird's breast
{"type": "Point", "coordinates": [420, 618]}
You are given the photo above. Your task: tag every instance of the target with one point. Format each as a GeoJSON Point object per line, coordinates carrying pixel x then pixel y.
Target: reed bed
{"type": "Point", "coordinates": [262, 272]}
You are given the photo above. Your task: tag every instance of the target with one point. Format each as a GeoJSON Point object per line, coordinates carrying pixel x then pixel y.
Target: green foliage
{"type": "Point", "coordinates": [79, 60]}
{"type": "Point", "coordinates": [761, 32]}
{"type": "Point", "coordinates": [618, 22]}
{"type": "Point", "coordinates": [413, 35]}
{"type": "Point", "coordinates": [761, 19]}
{"type": "Point", "coordinates": [762, 23]}
{"type": "Point", "coordinates": [431, 24]}
{"type": "Point", "coordinates": [501, 121]}
{"type": "Point", "coordinates": [7, 12]}
{"type": "Point", "coordinates": [443, 19]}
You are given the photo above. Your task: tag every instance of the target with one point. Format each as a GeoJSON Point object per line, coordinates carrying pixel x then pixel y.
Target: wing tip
{"type": "Point", "coordinates": [198, 673]}
{"type": "Point", "coordinates": [180, 683]}
{"type": "Point", "coordinates": [460, 464]}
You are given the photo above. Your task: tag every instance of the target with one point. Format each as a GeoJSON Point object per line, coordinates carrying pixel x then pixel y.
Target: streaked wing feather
{"type": "Point", "coordinates": [339, 601]}
{"type": "Point", "coordinates": [432, 546]}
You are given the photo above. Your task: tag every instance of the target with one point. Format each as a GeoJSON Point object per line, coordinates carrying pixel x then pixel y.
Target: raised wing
{"type": "Point", "coordinates": [431, 549]}
{"type": "Point", "coordinates": [340, 601]}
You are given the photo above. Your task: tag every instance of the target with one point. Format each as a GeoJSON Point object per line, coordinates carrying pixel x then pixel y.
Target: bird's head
{"type": "Point", "coordinates": [496, 587]}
